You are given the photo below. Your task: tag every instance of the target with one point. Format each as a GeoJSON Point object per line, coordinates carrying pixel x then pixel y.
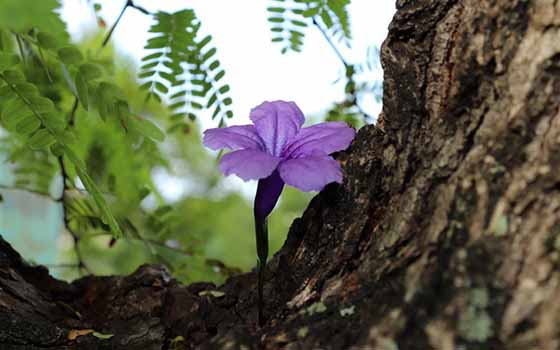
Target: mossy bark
{"type": "Point", "coordinates": [445, 233]}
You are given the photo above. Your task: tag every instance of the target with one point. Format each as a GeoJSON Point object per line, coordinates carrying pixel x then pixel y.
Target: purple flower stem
{"type": "Point", "coordinates": [261, 230]}
{"type": "Point", "coordinates": [268, 192]}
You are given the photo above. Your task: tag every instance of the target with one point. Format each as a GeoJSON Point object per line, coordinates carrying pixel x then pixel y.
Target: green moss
{"type": "Point", "coordinates": [388, 344]}
{"type": "Point", "coordinates": [302, 332]}
{"type": "Point", "coordinates": [475, 324]}
{"type": "Point", "coordinates": [499, 226]}
{"type": "Point", "coordinates": [479, 298]}
{"type": "Point", "coordinates": [315, 308]}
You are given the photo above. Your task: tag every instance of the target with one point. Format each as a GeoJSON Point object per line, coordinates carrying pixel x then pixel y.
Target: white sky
{"type": "Point", "coordinates": [255, 68]}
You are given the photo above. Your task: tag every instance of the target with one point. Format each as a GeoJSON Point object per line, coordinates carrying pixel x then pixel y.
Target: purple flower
{"type": "Point", "coordinates": [277, 150]}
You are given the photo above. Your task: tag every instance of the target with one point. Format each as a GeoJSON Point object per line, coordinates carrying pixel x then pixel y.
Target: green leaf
{"type": "Point", "coordinates": [146, 74]}
{"type": "Point", "coordinates": [111, 90]}
{"type": "Point", "coordinates": [47, 41]}
{"type": "Point", "coordinates": [177, 105]}
{"type": "Point", "coordinates": [146, 86]}
{"type": "Point", "coordinates": [208, 54]}
{"type": "Point", "coordinates": [161, 88]}
{"type": "Point", "coordinates": [152, 56]}
{"type": "Point", "coordinates": [41, 139]}
{"type": "Point", "coordinates": [54, 121]}
{"type": "Point", "coordinates": [41, 104]}
{"type": "Point", "coordinates": [14, 76]}
{"type": "Point", "coordinates": [214, 65]}
{"type": "Point", "coordinates": [24, 15]}
{"type": "Point", "coordinates": [212, 100]}
{"type": "Point", "coordinates": [82, 89]}
{"type": "Point", "coordinates": [326, 19]}
{"type": "Point", "coordinates": [146, 128]}
{"type": "Point", "coordinates": [181, 93]}
{"type": "Point", "coordinates": [57, 150]}
{"type": "Point", "coordinates": [204, 42]}
{"type": "Point", "coordinates": [299, 23]}
{"type": "Point", "coordinates": [219, 76]}
{"type": "Point", "coordinates": [70, 55]}
{"type": "Point", "coordinates": [216, 112]}
{"type": "Point", "coordinates": [276, 9]}
{"type": "Point", "coordinates": [14, 111]}
{"type": "Point", "coordinates": [143, 193]}
{"type": "Point", "coordinates": [92, 188]}
{"type": "Point", "coordinates": [312, 11]}
{"type": "Point", "coordinates": [149, 65]}
{"type": "Point", "coordinates": [26, 89]}
{"type": "Point", "coordinates": [276, 20]}
{"type": "Point", "coordinates": [90, 71]}
{"type": "Point", "coordinates": [224, 89]}
{"type": "Point", "coordinates": [8, 60]}
{"type": "Point", "coordinates": [28, 125]}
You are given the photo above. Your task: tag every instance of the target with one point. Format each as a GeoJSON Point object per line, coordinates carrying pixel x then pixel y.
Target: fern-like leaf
{"type": "Point", "coordinates": [35, 119]}
{"type": "Point", "coordinates": [184, 69]}
{"type": "Point", "coordinates": [289, 19]}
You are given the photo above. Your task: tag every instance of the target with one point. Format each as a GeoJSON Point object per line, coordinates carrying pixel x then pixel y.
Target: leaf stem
{"type": "Point", "coordinates": [20, 47]}
{"type": "Point", "coordinates": [72, 119]}
{"type": "Point", "coordinates": [64, 175]}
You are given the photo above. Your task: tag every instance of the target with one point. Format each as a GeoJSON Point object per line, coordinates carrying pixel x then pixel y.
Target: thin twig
{"type": "Point", "coordinates": [72, 119]}
{"type": "Point", "coordinates": [140, 8]}
{"type": "Point", "coordinates": [344, 62]}
{"type": "Point", "coordinates": [145, 241]}
{"type": "Point", "coordinates": [333, 46]}
{"type": "Point", "coordinates": [128, 4]}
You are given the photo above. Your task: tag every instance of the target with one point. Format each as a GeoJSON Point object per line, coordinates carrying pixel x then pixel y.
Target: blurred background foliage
{"type": "Point", "coordinates": [100, 136]}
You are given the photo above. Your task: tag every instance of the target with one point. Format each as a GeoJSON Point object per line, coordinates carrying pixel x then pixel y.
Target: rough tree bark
{"type": "Point", "coordinates": [445, 233]}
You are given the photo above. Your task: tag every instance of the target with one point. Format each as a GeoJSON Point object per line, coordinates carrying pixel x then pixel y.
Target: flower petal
{"type": "Point", "coordinates": [310, 173]}
{"type": "Point", "coordinates": [249, 164]}
{"type": "Point", "coordinates": [326, 137]}
{"type": "Point", "coordinates": [277, 123]}
{"type": "Point", "coordinates": [233, 137]}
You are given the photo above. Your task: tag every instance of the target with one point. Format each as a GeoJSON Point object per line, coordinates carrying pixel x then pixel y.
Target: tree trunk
{"type": "Point", "coordinates": [445, 233]}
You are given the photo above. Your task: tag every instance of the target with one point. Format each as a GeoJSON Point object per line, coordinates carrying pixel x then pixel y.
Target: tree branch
{"type": "Point", "coordinates": [128, 4]}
